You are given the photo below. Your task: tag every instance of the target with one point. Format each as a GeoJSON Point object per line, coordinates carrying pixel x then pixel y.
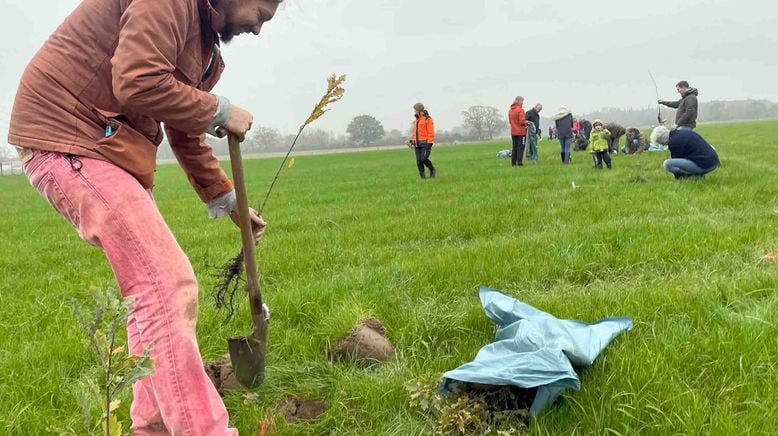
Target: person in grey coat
{"type": "Point", "coordinates": [686, 114]}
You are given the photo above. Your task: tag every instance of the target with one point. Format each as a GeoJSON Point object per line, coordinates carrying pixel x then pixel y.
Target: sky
{"type": "Point", "coordinates": [453, 54]}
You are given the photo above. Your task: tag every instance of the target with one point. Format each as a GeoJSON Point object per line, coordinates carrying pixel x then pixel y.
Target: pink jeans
{"type": "Point", "coordinates": [111, 210]}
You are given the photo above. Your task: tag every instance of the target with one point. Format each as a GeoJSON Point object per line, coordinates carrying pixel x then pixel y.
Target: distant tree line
{"type": "Point", "coordinates": [7, 156]}
{"type": "Point", "coordinates": [479, 123]}
{"type": "Point", "coordinates": [712, 111]}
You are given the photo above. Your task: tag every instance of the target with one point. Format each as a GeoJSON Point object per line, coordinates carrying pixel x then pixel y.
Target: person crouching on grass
{"type": "Point", "coordinates": [422, 139]}
{"type": "Point", "coordinates": [598, 144]}
{"type": "Point", "coordinates": [690, 153]}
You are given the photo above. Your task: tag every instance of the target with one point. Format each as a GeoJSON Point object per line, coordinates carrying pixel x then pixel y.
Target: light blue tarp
{"type": "Point", "coordinates": [534, 349]}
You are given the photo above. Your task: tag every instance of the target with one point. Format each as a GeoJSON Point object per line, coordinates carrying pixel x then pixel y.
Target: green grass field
{"type": "Point", "coordinates": [359, 234]}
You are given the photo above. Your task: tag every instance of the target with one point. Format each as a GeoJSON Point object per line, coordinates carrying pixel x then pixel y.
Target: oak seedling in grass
{"type": "Point", "coordinates": [118, 370]}
{"type": "Point", "coordinates": [230, 273]}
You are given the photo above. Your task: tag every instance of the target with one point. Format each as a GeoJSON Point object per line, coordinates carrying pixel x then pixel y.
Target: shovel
{"type": "Point", "coordinates": [247, 353]}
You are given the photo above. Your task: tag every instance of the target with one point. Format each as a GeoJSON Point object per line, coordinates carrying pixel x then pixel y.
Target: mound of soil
{"type": "Point", "coordinates": [367, 343]}
{"type": "Point", "coordinates": [297, 409]}
{"type": "Point", "coordinates": [771, 257]}
{"type": "Point", "coordinates": [221, 374]}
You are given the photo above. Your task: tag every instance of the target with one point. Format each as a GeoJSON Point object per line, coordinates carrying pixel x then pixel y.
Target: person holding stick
{"type": "Point", "coordinates": [422, 139]}
{"type": "Point", "coordinates": [686, 107]}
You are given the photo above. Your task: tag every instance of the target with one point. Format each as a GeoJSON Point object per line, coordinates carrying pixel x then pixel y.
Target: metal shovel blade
{"type": "Point", "coordinates": [247, 353]}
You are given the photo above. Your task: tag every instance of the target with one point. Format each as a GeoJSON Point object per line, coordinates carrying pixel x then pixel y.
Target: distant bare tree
{"type": "Point", "coordinates": [263, 139]}
{"type": "Point", "coordinates": [484, 122]}
{"type": "Point", "coordinates": [340, 141]}
{"type": "Point", "coordinates": [7, 155]}
{"type": "Point", "coordinates": [450, 136]}
{"type": "Point", "coordinates": [315, 139]}
{"type": "Point", "coordinates": [394, 137]}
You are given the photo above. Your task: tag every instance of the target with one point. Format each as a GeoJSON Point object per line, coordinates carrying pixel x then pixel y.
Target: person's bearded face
{"type": "Point", "coordinates": [244, 16]}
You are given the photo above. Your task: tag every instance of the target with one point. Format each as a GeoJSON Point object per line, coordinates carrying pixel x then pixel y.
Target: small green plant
{"type": "Point", "coordinates": [118, 370]}
{"type": "Point", "coordinates": [469, 411]}
{"type": "Point", "coordinates": [229, 274]}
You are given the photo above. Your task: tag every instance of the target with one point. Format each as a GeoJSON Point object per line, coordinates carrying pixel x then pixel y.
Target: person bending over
{"type": "Point", "coordinates": [690, 153]}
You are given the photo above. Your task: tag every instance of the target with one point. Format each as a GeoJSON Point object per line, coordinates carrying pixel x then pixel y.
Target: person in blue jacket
{"type": "Point", "coordinates": [690, 153]}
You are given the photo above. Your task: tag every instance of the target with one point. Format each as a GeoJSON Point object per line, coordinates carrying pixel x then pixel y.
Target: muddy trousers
{"type": "Point", "coordinates": [613, 144]}
{"type": "Point", "coordinates": [517, 152]}
{"type": "Point", "coordinates": [423, 160]}
{"type": "Point", "coordinates": [601, 156]}
{"type": "Point", "coordinates": [111, 210]}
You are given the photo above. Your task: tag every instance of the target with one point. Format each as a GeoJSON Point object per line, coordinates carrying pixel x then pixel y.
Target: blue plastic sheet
{"type": "Point", "coordinates": [534, 349]}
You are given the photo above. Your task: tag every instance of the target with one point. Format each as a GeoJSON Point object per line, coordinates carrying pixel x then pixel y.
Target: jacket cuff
{"type": "Point", "coordinates": [221, 116]}
{"type": "Point", "coordinates": [222, 206]}
{"type": "Point", "coordinates": [211, 192]}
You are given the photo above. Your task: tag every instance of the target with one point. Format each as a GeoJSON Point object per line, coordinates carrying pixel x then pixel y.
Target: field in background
{"type": "Point", "coordinates": [359, 234]}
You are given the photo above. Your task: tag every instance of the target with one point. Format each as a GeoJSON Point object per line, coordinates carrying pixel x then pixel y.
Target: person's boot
{"type": "Point", "coordinates": [563, 156]}
{"type": "Point", "coordinates": [432, 173]}
{"type": "Point", "coordinates": [423, 176]}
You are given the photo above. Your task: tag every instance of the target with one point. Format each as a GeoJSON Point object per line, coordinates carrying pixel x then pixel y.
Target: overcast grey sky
{"type": "Point", "coordinates": [451, 54]}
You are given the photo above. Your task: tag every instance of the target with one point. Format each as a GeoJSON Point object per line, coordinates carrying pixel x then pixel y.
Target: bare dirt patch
{"type": "Point", "coordinates": [366, 343]}
{"type": "Point", "coordinates": [296, 409]}
{"type": "Point", "coordinates": [221, 374]}
{"type": "Point", "coordinates": [771, 257]}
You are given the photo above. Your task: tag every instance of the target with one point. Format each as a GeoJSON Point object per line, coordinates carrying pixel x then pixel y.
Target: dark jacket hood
{"type": "Point", "coordinates": [692, 91]}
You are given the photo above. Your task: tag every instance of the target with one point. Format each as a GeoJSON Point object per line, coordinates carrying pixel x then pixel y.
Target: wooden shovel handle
{"type": "Point", "coordinates": [247, 236]}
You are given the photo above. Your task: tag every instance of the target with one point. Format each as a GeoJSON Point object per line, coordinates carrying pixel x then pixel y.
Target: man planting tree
{"type": "Point", "coordinates": [86, 122]}
{"type": "Point", "coordinates": [686, 114]}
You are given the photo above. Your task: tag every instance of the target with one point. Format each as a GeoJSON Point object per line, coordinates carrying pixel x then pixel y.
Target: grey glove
{"type": "Point", "coordinates": [222, 206]}
{"type": "Point", "coordinates": [220, 117]}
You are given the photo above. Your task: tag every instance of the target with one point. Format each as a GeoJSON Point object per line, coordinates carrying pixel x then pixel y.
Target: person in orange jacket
{"type": "Point", "coordinates": [422, 138]}
{"type": "Point", "coordinates": [518, 122]}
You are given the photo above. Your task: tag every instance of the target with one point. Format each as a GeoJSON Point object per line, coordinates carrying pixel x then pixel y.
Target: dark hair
{"type": "Point", "coordinates": [682, 84]}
